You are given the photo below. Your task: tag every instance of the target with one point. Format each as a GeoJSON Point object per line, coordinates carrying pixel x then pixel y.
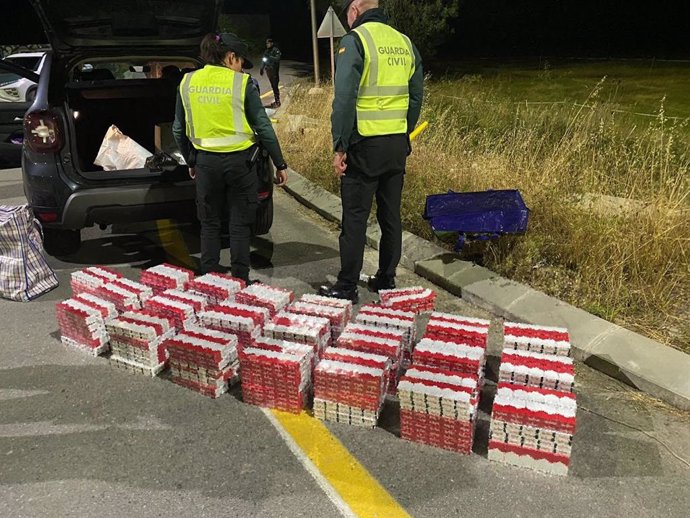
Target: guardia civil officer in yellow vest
{"type": "Point", "coordinates": [378, 98]}
{"type": "Point", "coordinates": [219, 118]}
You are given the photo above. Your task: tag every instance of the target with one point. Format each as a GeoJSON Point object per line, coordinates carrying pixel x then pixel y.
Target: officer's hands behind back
{"type": "Point", "coordinates": [281, 178]}
{"type": "Point", "coordinates": [340, 163]}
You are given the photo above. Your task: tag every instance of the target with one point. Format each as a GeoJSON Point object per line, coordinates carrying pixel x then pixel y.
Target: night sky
{"type": "Point", "coordinates": [583, 28]}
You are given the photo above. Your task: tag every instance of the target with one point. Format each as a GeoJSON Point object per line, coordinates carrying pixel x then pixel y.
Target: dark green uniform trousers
{"type": "Point", "coordinates": [375, 169]}
{"type": "Point", "coordinates": [226, 186]}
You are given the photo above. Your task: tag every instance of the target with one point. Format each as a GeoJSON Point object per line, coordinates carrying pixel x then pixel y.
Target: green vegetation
{"type": "Point", "coordinates": [425, 21]}
{"type": "Point", "coordinates": [625, 260]}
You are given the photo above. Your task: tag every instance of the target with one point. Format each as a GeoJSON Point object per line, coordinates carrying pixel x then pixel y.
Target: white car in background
{"type": "Point", "coordinates": [17, 89]}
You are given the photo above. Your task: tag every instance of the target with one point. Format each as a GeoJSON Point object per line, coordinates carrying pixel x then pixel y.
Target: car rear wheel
{"type": "Point", "coordinates": [59, 242]}
{"type": "Point", "coordinates": [264, 218]}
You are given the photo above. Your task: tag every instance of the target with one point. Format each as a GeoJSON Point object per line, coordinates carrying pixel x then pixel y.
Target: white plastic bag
{"type": "Point", "coordinates": [119, 152]}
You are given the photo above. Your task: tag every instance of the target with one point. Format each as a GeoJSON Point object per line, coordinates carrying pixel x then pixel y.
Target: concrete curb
{"type": "Point", "coordinates": [643, 363]}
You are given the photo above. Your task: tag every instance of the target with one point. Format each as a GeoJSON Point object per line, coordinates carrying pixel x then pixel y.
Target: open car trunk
{"type": "Point", "coordinates": [136, 107]}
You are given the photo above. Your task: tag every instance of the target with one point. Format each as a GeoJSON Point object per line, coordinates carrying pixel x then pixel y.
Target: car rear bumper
{"type": "Point", "coordinates": [136, 203]}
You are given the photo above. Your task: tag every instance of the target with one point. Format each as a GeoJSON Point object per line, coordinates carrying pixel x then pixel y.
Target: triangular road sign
{"type": "Point", "coordinates": [331, 26]}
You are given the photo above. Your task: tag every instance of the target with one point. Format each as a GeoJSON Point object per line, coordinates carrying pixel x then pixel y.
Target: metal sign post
{"type": "Point", "coordinates": [331, 28]}
{"type": "Point", "coordinates": [315, 43]}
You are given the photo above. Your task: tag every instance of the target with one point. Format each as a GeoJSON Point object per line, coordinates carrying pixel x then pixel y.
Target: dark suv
{"type": "Point", "coordinates": [79, 97]}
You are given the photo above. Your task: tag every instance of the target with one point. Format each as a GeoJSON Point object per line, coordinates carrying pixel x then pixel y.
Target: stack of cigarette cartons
{"type": "Point", "coordinates": [533, 419]}
{"type": "Point", "coordinates": [312, 331]}
{"type": "Point", "coordinates": [336, 316]}
{"type": "Point", "coordinates": [216, 288]}
{"type": "Point", "coordinates": [439, 408]}
{"type": "Point", "coordinates": [415, 300]}
{"type": "Point", "coordinates": [166, 277]}
{"type": "Point", "coordinates": [388, 318]}
{"type": "Point", "coordinates": [277, 374]}
{"type": "Point", "coordinates": [533, 428]}
{"type": "Point", "coordinates": [89, 279]}
{"type": "Point", "coordinates": [537, 370]}
{"type": "Point", "coordinates": [273, 299]}
{"type": "Point", "coordinates": [350, 387]}
{"type": "Point", "coordinates": [203, 360]}
{"type": "Point", "coordinates": [345, 305]}
{"type": "Point", "coordinates": [181, 311]}
{"type": "Point", "coordinates": [450, 356]}
{"type": "Point", "coordinates": [82, 322]}
{"type": "Point", "coordinates": [245, 322]}
{"type": "Point", "coordinates": [137, 340]}
{"type": "Point", "coordinates": [122, 295]}
{"type": "Point", "coordinates": [377, 340]}
{"type": "Point", "coordinates": [445, 327]}
{"type": "Point", "coordinates": [538, 339]}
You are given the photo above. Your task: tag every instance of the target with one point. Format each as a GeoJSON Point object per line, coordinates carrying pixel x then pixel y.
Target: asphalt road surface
{"type": "Point", "coordinates": [80, 439]}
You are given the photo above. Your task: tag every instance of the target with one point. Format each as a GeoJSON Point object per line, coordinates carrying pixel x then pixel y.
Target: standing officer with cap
{"type": "Point", "coordinates": [219, 117]}
{"type": "Point", "coordinates": [379, 87]}
{"type": "Point", "coordinates": [271, 64]}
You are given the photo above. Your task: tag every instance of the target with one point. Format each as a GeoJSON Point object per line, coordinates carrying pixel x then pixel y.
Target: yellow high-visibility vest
{"type": "Point", "coordinates": [213, 100]}
{"type": "Point", "coordinates": [384, 93]}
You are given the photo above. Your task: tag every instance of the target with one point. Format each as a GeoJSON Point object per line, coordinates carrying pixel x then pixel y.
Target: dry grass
{"type": "Point", "coordinates": [631, 267]}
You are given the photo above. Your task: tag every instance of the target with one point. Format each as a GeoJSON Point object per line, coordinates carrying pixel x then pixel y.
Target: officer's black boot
{"type": "Point", "coordinates": [338, 291]}
{"type": "Point", "coordinates": [378, 283]}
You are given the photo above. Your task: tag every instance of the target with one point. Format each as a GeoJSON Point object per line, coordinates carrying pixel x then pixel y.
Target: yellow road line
{"type": "Point", "coordinates": [173, 243]}
{"type": "Point", "coordinates": [360, 491]}
{"type": "Point", "coordinates": [268, 94]}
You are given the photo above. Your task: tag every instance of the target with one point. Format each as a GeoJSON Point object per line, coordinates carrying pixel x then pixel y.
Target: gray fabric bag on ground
{"type": "Point", "coordinates": [24, 272]}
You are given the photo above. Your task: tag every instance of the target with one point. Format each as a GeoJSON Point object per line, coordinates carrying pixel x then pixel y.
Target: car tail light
{"type": "Point", "coordinates": [264, 195]}
{"type": "Point", "coordinates": [42, 132]}
{"type": "Point", "coordinates": [47, 217]}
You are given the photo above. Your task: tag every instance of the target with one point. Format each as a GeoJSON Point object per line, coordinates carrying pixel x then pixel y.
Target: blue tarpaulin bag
{"type": "Point", "coordinates": [477, 215]}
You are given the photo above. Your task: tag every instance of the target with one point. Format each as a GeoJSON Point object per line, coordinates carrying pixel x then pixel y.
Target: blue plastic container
{"type": "Point", "coordinates": [477, 215]}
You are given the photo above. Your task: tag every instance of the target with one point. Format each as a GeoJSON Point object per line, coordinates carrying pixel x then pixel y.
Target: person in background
{"type": "Point", "coordinates": [379, 86]}
{"type": "Point", "coordinates": [271, 64]}
{"type": "Point", "coordinates": [219, 118]}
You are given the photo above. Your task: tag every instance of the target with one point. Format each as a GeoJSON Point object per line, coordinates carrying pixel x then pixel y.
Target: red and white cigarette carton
{"type": "Point", "coordinates": [336, 316]}
{"type": "Point", "coordinates": [88, 279]}
{"type": "Point", "coordinates": [124, 298]}
{"type": "Point", "coordinates": [450, 356]}
{"type": "Point", "coordinates": [538, 339]}
{"type": "Point", "coordinates": [82, 322]}
{"type": "Point", "coordinates": [330, 302]}
{"type": "Point", "coordinates": [166, 277]}
{"type": "Point", "coordinates": [198, 302]}
{"type": "Point", "coordinates": [137, 340]}
{"type": "Point", "coordinates": [387, 318]}
{"type": "Point", "coordinates": [376, 340]}
{"type": "Point", "coordinates": [391, 368]}
{"type": "Point", "coordinates": [416, 300]}
{"type": "Point", "coordinates": [454, 328]}
{"type": "Point", "coordinates": [537, 370]}
{"type": "Point", "coordinates": [216, 288]}
{"type": "Point", "coordinates": [313, 331]}
{"type": "Point", "coordinates": [181, 312]}
{"type": "Point", "coordinates": [245, 322]}
{"type": "Point", "coordinates": [350, 384]}
{"type": "Point", "coordinates": [273, 299]}
{"type": "Point", "coordinates": [279, 378]}
{"type": "Point", "coordinates": [533, 428]}
{"type": "Point", "coordinates": [141, 291]}
{"type": "Point", "coordinates": [439, 408]}
{"type": "Point", "coordinates": [203, 360]}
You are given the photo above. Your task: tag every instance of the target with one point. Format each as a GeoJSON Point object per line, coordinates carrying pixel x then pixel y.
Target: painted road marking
{"type": "Point", "coordinates": [173, 243]}
{"type": "Point", "coordinates": [268, 94]}
{"type": "Point", "coordinates": [344, 480]}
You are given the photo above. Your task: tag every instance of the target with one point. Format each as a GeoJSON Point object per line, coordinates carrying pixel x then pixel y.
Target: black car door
{"type": "Point", "coordinates": [12, 120]}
